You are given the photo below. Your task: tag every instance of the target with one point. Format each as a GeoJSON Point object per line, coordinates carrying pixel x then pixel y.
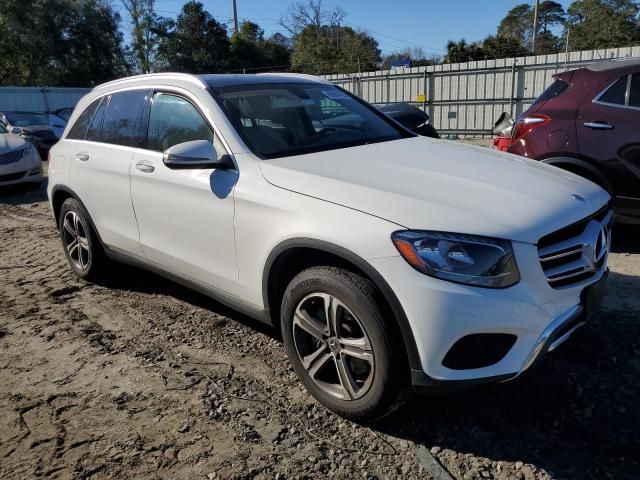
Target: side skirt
{"type": "Point", "coordinates": [262, 315]}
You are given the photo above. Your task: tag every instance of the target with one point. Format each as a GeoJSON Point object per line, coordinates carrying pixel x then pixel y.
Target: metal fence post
{"type": "Point", "coordinates": [388, 88]}
{"type": "Point", "coordinates": [512, 100]}
{"type": "Point", "coordinates": [424, 90]}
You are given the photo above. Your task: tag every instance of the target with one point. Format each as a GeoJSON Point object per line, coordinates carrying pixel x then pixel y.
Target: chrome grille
{"type": "Point", "coordinates": [577, 252]}
{"type": "Point", "coordinates": [11, 157]}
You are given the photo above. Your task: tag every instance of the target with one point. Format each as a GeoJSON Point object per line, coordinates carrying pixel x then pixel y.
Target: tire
{"type": "Point", "coordinates": [352, 367]}
{"type": "Point", "coordinates": [86, 258]}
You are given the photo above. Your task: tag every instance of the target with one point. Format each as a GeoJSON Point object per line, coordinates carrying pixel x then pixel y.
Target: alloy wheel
{"type": "Point", "coordinates": [333, 346]}
{"type": "Point", "coordinates": [76, 241]}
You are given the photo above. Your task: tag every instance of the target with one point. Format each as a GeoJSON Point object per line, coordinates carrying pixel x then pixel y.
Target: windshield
{"type": "Point", "coordinates": [26, 119]}
{"type": "Point", "coordinates": [280, 120]}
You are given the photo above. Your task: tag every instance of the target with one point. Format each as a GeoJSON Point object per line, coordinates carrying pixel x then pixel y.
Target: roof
{"type": "Point", "coordinates": [616, 64]}
{"type": "Point", "coordinates": [212, 80]}
{"type": "Point", "coordinates": [228, 80]}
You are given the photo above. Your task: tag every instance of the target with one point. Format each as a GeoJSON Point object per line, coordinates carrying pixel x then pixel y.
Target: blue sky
{"type": "Point", "coordinates": [395, 24]}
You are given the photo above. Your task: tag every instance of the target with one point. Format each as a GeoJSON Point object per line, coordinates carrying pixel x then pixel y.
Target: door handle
{"type": "Point", "coordinates": [599, 125]}
{"type": "Point", "coordinates": [83, 157]}
{"type": "Point", "coordinates": [145, 167]}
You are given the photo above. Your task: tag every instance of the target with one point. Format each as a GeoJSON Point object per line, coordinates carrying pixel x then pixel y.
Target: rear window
{"type": "Point", "coordinates": [553, 90]}
{"type": "Point", "coordinates": [616, 93]}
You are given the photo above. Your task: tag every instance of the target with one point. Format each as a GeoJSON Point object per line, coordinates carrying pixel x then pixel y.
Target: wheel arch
{"type": "Point", "coordinates": [306, 252]}
{"type": "Point", "coordinates": [59, 194]}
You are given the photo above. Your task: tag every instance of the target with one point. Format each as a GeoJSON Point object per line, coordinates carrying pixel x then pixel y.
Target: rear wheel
{"type": "Point", "coordinates": [80, 242]}
{"type": "Point", "coordinates": [339, 344]}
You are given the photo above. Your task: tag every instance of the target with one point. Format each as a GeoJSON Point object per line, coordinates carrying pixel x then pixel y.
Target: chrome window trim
{"type": "Point", "coordinates": [627, 94]}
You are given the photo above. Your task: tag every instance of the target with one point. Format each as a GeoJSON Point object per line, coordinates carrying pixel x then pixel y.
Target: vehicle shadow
{"type": "Point", "coordinates": [626, 239]}
{"type": "Point", "coordinates": [132, 279]}
{"type": "Point", "coordinates": [24, 193]}
{"type": "Point", "coordinates": [575, 414]}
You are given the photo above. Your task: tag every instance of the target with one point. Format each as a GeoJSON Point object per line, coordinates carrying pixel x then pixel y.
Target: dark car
{"type": "Point", "coordinates": [31, 126]}
{"type": "Point", "coordinates": [411, 118]}
{"type": "Point", "coordinates": [588, 122]}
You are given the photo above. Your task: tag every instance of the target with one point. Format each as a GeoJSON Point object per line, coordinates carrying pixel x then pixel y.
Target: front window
{"type": "Point", "coordinates": [2, 129]}
{"type": "Point", "coordinates": [280, 120]}
{"type": "Point", "coordinates": [26, 119]}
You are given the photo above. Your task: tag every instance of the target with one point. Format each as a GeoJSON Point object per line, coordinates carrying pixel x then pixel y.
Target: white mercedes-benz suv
{"type": "Point", "coordinates": [387, 260]}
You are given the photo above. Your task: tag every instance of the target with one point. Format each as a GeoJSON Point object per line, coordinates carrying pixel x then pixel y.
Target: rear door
{"type": "Point", "coordinates": [609, 135]}
{"type": "Point", "coordinates": [100, 168]}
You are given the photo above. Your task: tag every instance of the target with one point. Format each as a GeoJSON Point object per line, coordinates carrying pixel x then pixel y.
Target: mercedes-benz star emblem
{"type": "Point", "coordinates": [578, 197]}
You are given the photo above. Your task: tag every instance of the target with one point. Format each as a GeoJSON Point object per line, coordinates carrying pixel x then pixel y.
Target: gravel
{"type": "Point", "coordinates": [141, 378]}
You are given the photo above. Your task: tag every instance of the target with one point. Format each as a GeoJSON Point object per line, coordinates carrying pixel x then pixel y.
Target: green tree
{"type": "Point", "coordinates": [77, 43]}
{"type": "Point", "coordinates": [603, 24]}
{"type": "Point", "coordinates": [462, 51]}
{"type": "Point", "coordinates": [322, 45]}
{"type": "Point", "coordinates": [518, 25]}
{"type": "Point", "coordinates": [197, 43]}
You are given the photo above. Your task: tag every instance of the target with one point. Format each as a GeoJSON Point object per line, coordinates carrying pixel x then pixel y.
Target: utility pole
{"type": "Point", "coordinates": [566, 50]}
{"type": "Point", "coordinates": [235, 16]}
{"type": "Point", "coordinates": [535, 27]}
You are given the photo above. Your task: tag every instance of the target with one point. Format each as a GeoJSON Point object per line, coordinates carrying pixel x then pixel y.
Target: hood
{"type": "Point", "coordinates": [10, 142]}
{"type": "Point", "coordinates": [43, 131]}
{"type": "Point", "coordinates": [427, 184]}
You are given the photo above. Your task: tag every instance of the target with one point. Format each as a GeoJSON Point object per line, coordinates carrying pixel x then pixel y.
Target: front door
{"type": "Point", "coordinates": [185, 216]}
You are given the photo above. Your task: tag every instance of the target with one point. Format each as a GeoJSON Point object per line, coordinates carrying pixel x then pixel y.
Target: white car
{"type": "Point", "coordinates": [19, 160]}
{"type": "Point", "coordinates": [388, 260]}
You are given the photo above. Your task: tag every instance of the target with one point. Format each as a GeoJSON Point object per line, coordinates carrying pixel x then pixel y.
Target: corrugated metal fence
{"type": "Point", "coordinates": [465, 99]}
{"type": "Point", "coordinates": [37, 99]}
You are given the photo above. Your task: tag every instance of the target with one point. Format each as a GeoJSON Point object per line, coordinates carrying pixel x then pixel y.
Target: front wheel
{"type": "Point", "coordinates": [339, 343]}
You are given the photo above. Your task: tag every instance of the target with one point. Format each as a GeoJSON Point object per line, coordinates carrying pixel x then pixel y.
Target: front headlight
{"type": "Point", "coordinates": [480, 261]}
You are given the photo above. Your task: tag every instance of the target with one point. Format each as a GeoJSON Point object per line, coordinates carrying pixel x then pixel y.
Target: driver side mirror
{"type": "Point", "coordinates": [196, 154]}
{"type": "Point", "coordinates": [15, 130]}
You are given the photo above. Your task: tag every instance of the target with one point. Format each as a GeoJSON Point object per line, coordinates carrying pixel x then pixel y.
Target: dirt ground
{"type": "Point", "coordinates": [141, 378]}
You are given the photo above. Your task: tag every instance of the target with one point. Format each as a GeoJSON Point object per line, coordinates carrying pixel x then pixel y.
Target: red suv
{"type": "Point", "coordinates": [588, 122]}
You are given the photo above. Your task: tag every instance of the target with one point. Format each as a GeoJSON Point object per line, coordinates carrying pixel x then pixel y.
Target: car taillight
{"type": "Point", "coordinates": [528, 123]}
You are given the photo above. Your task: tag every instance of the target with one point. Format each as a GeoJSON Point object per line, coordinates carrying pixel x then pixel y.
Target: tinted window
{"type": "Point", "coordinates": [79, 129]}
{"type": "Point", "coordinates": [279, 120]}
{"type": "Point", "coordinates": [634, 94]}
{"type": "Point", "coordinates": [96, 123]}
{"type": "Point", "coordinates": [121, 122]}
{"type": "Point", "coordinates": [174, 120]}
{"type": "Point", "coordinates": [616, 93]}
{"type": "Point", "coordinates": [553, 90]}
{"type": "Point", "coordinates": [27, 119]}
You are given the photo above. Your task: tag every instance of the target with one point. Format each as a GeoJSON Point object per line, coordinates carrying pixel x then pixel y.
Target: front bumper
{"type": "Point", "coordinates": [26, 170]}
{"type": "Point", "coordinates": [442, 313]}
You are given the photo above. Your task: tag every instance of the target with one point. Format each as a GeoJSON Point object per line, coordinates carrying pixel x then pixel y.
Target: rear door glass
{"type": "Point", "coordinates": [121, 124]}
{"type": "Point", "coordinates": [616, 93]}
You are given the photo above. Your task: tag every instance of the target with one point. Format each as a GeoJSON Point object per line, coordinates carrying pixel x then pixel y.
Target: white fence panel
{"type": "Point", "coordinates": [467, 98]}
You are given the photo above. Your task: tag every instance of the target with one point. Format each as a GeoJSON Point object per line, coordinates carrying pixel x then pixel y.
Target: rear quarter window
{"type": "Point", "coordinates": [80, 128]}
